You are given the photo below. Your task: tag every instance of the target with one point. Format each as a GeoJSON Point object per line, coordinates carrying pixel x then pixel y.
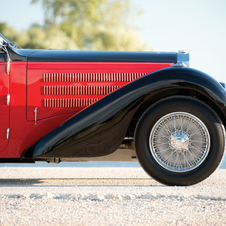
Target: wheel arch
{"type": "Point", "coordinates": [171, 91]}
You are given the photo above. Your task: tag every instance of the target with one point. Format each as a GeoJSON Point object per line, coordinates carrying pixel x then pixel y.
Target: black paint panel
{"type": "Point", "coordinates": [99, 129]}
{"type": "Point", "coordinates": [20, 54]}
{"type": "Point", "coordinates": [101, 56]}
{"type": "Point", "coordinates": [2, 57]}
{"type": "Point", "coordinates": [90, 56]}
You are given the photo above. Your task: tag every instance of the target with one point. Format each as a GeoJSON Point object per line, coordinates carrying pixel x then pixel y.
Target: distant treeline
{"type": "Point", "coordinates": [83, 24]}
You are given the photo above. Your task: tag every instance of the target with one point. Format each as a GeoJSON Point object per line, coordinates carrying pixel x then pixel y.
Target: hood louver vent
{"type": "Point", "coordinates": [91, 77]}
{"type": "Point", "coordinates": [80, 92]}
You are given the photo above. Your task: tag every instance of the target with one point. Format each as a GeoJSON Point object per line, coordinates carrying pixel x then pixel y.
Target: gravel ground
{"type": "Point", "coordinates": [106, 196]}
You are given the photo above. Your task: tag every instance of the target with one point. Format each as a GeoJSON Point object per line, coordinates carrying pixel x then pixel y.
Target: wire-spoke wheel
{"type": "Point", "coordinates": [179, 141]}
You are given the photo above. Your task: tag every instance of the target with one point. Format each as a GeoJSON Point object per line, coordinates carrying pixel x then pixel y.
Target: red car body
{"type": "Point", "coordinates": [58, 91]}
{"type": "Point", "coordinates": [59, 105]}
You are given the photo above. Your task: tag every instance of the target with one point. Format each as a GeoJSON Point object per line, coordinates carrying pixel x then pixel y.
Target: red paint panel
{"type": "Point", "coordinates": [61, 88]}
{"type": "Point", "coordinates": [22, 133]}
{"type": "Point", "coordinates": [87, 89]}
{"type": "Point", "coordinates": [4, 108]}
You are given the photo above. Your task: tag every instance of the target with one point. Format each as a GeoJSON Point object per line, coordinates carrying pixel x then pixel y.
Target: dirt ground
{"type": "Point", "coordinates": [106, 196]}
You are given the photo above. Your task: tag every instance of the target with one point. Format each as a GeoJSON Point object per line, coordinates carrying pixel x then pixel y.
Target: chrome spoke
{"type": "Point", "coordinates": [176, 161]}
{"type": "Point", "coordinates": [163, 136]}
{"type": "Point", "coordinates": [164, 152]}
{"type": "Point", "coordinates": [157, 144]}
{"type": "Point", "coordinates": [167, 129]}
{"type": "Point", "coordinates": [186, 160]}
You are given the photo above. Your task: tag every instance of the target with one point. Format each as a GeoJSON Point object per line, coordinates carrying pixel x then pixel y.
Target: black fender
{"type": "Point", "coordinates": [100, 129]}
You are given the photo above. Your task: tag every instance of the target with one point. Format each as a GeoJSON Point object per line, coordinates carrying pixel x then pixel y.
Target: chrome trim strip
{"type": "Point", "coordinates": [8, 99]}
{"type": "Point", "coordinates": [7, 133]}
{"type": "Point", "coordinates": [8, 65]}
{"type": "Point", "coordinates": [35, 111]}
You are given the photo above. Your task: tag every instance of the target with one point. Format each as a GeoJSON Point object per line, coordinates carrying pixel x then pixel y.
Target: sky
{"type": "Point", "coordinates": [198, 26]}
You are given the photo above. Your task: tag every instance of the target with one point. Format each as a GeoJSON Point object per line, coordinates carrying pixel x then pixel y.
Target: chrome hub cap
{"type": "Point", "coordinates": [179, 142]}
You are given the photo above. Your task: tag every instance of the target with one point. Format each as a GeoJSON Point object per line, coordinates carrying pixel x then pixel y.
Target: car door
{"type": "Point", "coordinates": [4, 104]}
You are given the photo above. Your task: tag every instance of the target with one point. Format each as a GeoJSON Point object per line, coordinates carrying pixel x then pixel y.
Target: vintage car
{"type": "Point", "coordinates": [61, 105]}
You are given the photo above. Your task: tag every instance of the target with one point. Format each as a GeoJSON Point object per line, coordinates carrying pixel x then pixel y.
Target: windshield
{"type": "Point", "coordinates": [4, 38]}
{"type": "Point", "coordinates": [6, 41]}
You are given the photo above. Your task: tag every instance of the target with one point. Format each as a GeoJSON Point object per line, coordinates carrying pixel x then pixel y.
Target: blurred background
{"type": "Point", "coordinates": [122, 25]}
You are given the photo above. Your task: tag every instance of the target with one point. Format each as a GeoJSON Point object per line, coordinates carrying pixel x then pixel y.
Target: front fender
{"type": "Point", "coordinates": [100, 129]}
